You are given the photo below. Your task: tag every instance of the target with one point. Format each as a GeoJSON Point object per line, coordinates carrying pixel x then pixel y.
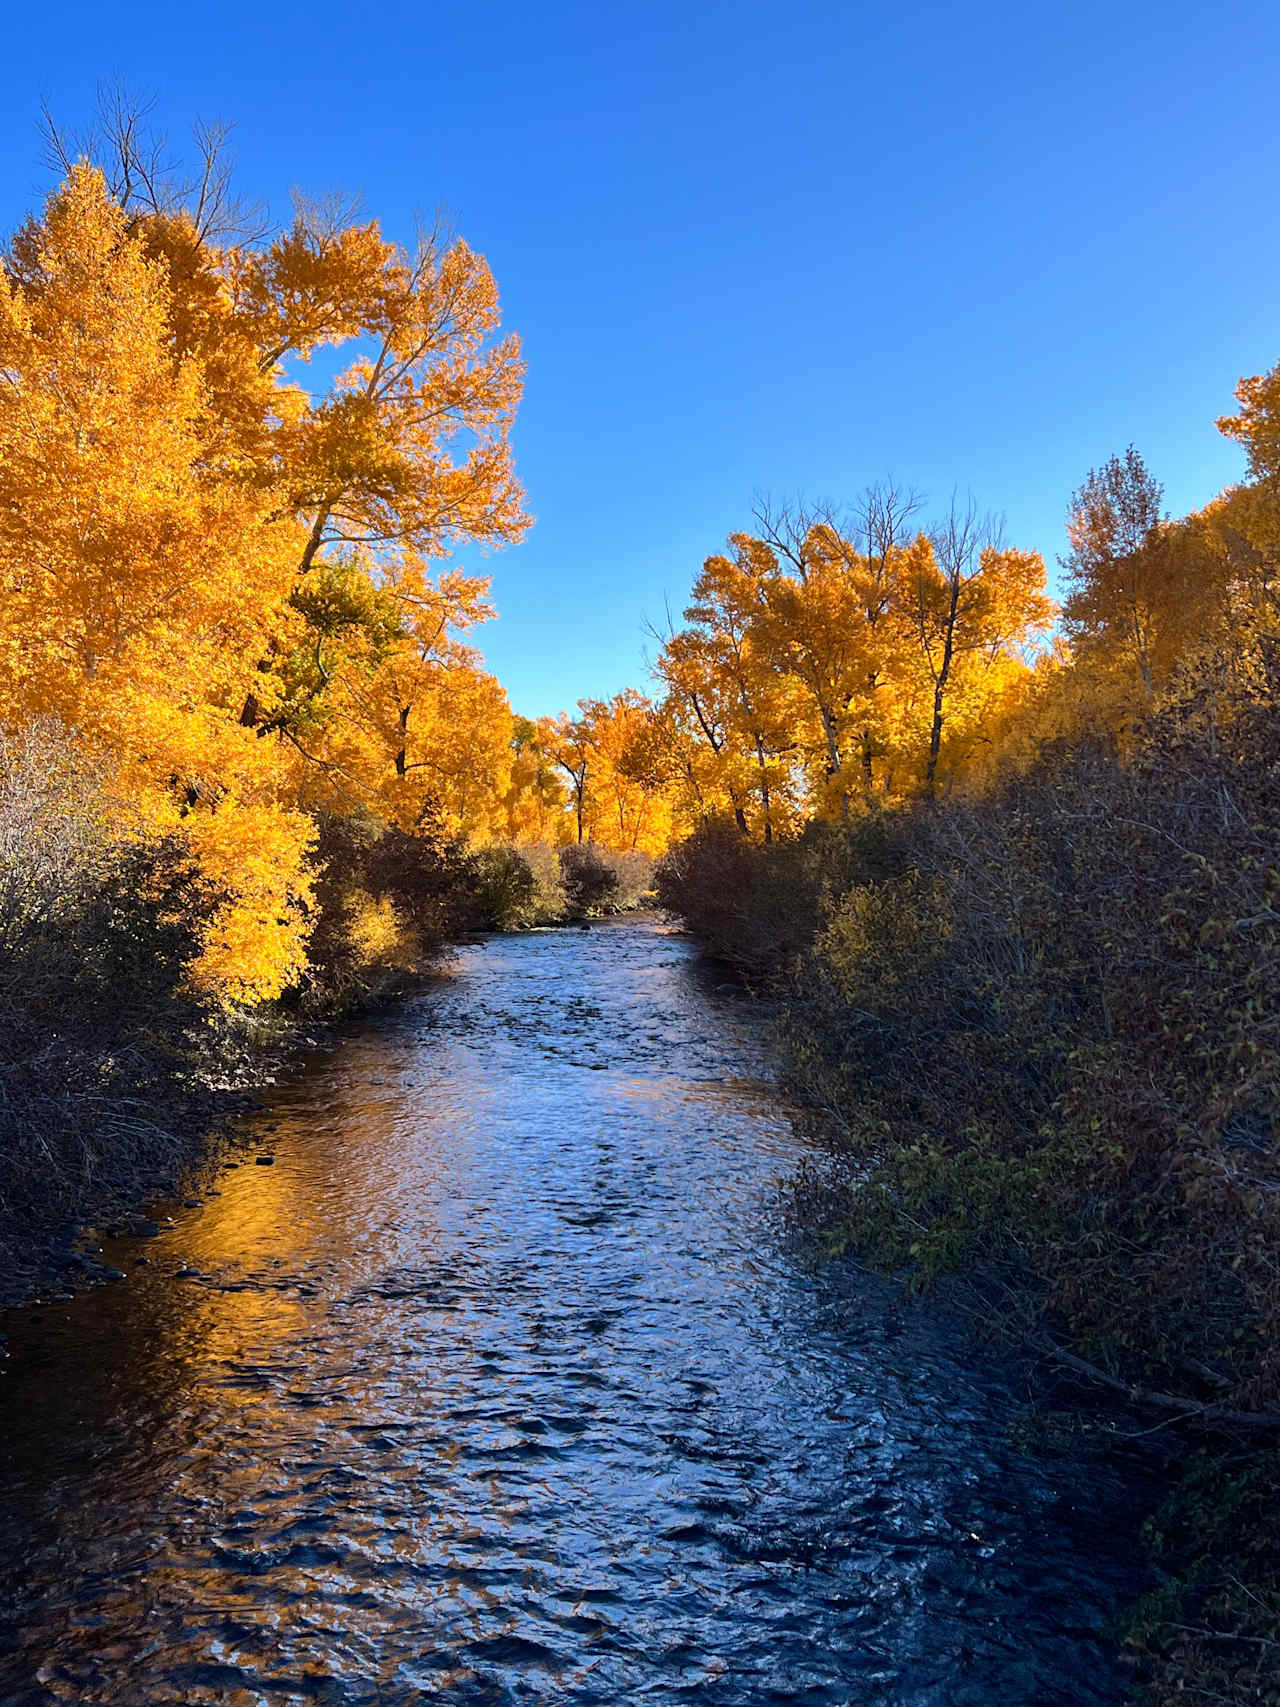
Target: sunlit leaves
{"type": "Point", "coordinates": [219, 579]}
{"type": "Point", "coordinates": [815, 676]}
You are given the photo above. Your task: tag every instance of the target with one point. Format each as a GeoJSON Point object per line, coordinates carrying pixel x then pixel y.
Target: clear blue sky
{"type": "Point", "coordinates": [774, 245]}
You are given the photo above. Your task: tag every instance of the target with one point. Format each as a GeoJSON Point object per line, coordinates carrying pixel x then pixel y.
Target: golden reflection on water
{"type": "Point", "coordinates": [498, 1385]}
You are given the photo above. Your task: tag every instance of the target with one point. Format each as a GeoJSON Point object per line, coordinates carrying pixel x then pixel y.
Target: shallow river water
{"type": "Point", "coordinates": [503, 1384]}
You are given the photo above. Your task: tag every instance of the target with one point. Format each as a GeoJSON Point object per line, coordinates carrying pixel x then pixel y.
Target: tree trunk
{"type": "Point", "coordinates": [764, 793]}
{"type": "Point", "coordinates": [935, 741]}
{"type": "Point", "coordinates": [940, 691]}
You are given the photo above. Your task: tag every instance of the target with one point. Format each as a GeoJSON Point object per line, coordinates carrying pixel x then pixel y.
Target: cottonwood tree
{"type": "Point", "coordinates": [725, 686]}
{"type": "Point", "coordinates": [1120, 574]}
{"type": "Point", "coordinates": [139, 587]}
{"type": "Point", "coordinates": [971, 603]}
{"type": "Point", "coordinates": [566, 740]}
{"type": "Point", "coordinates": [224, 582]}
{"type": "Point", "coordinates": [835, 614]}
{"type": "Point", "coordinates": [613, 758]}
{"type": "Point", "coordinates": [1257, 426]}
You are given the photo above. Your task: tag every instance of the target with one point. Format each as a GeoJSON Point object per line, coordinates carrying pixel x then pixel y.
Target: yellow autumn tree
{"type": "Point", "coordinates": [1132, 606]}
{"type": "Point", "coordinates": [383, 705]}
{"type": "Point", "coordinates": [831, 664]}
{"type": "Point", "coordinates": [224, 580]}
{"type": "Point", "coordinates": [971, 604]}
{"type": "Point", "coordinates": [629, 805]}
{"type": "Point", "coordinates": [536, 806]}
{"type": "Point", "coordinates": [141, 582]}
{"type": "Point", "coordinates": [1257, 426]}
{"type": "Point", "coordinates": [835, 618]}
{"type": "Point", "coordinates": [736, 707]}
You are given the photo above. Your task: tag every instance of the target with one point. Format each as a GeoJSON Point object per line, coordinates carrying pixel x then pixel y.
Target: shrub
{"type": "Point", "coordinates": [589, 881]}
{"type": "Point", "coordinates": [548, 903]}
{"type": "Point", "coordinates": [1053, 1041]}
{"type": "Point", "coordinates": [759, 907]}
{"type": "Point", "coordinates": [384, 901]}
{"type": "Point", "coordinates": [635, 874]}
{"type": "Point", "coordinates": [98, 931]}
{"type": "Point", "coordinates": [502, 884]}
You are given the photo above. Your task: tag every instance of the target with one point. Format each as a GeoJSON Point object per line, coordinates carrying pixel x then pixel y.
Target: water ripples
{"type": "Point", "coordinates": [502, 1385]}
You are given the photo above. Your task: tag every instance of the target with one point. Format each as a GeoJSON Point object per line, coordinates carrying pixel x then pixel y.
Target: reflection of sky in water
{"type": "Point", "coordinates": [500, 1386]}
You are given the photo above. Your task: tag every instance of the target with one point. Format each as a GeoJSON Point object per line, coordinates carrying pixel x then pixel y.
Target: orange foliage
{"type": "Point", "coordinates": [818, 671]}
{"type": "Point", "coordinates": [220, 582]}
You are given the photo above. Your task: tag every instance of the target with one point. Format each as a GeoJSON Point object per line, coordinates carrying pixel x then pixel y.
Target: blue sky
{"type": "Point", "coordinates": [781, 247]}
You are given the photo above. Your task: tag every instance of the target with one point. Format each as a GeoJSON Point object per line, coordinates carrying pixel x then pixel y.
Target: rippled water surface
{"type": "Point", "coordinates": [502, 1386]}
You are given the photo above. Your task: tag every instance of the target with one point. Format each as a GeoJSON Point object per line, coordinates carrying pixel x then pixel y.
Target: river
{"type": "Point", "coordinates": [504, 1384]}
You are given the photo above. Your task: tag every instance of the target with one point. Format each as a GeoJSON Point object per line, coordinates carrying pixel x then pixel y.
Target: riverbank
{"type": "Point", "coordinates": [164, 1129]}
{"type": "Point", "coordinates": [1039, 1030]}
{"type": "Point", "coordinates": [168, 1130]}
{"type": "Point", "coordinates": [117, 1068]}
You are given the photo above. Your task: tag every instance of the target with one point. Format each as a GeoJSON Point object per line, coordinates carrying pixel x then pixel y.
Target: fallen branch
{"type": "Point", "coordinates": [1196, 1409]}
